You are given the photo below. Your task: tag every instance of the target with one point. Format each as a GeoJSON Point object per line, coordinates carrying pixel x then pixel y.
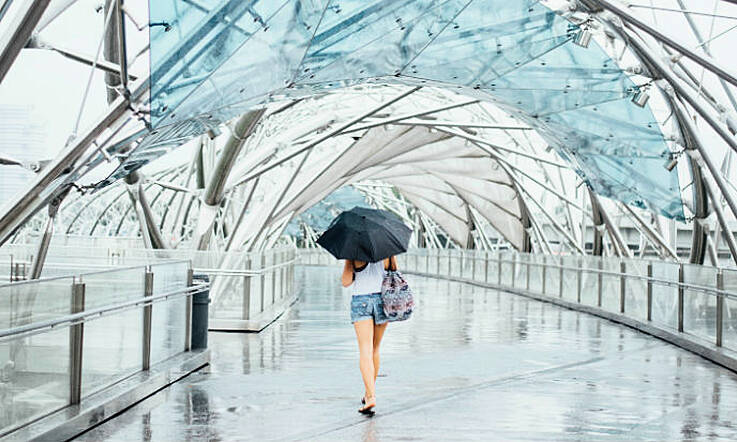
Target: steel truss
{"type": "Point", "coordinates": [239, 190]}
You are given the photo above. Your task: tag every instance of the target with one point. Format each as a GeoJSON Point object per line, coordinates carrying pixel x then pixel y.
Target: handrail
{"type": "Point", "coordinates": [249, 272]}
{"type": "Point", "coordinates": [79, 276]}
{"type": "Point", "coordinates": [665, 282]}
{"type": "Point", "coordinates": [88, 315]}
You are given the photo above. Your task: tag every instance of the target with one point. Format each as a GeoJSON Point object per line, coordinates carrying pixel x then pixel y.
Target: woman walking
{"type": "Point", "coordinates": [368, 318]}
{"type": "Point", "coordinates": [369, 240]}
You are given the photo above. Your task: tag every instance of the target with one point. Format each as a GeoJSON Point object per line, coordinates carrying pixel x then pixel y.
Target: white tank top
{"type": "Point", "coordinates": [369, 279]}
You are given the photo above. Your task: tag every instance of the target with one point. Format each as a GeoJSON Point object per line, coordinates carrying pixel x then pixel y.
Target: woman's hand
{"type": "Point", "coordinates": [347, 278]}
{"type": "Point", "coordinates": [391, 263]}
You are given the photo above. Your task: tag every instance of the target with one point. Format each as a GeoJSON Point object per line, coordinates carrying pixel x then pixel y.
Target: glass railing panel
{"type": "Point", "coordinates": [520, 271]}
{"type": "Point", "coordinates": [699, 308]}
{"type": "Point", "coordinates": [34, 377]}
{"type": "Point", "coordinates": [455, 262]}
{"type": "Point", "coordinates": [113, 347]}
{"type": "Point", "coordinates": [168, 318]}
{"type": "Point", "coordinates": [446, 262]}
{"type": "Point", "coordinates": [590, 280]}
{"type": "Point", "coordinates": [34, 370]}
{"type": "Point", "coordinates": [610, 284]}
{"type": "Point", "coordinates": [635, 294]}
{"type": "Point", "coordinates": [476, 264]}
{"type": "Point", "coordinates": [507, 271]}
{"type": "Point", "coordinates": [570, 278]}
{"type": "Point", "coordinates": [552, 276]}
{"type": "Point", "coordinates": [492, 268]}
{"type": "Point", "coordinates": [435, 260]}
{"type": "Point", "coordinates": [536, 273]}
{"type": "Point", "coordinates": [34, 301]}
{"type": "Point", "coordinates": [466, 263]}
{"type": "Point", "coordinates": [665, 297]}
{"type": "Point", "coordinates": [227, 296]}
{"type": "Point", "coordinates": [729, 324]}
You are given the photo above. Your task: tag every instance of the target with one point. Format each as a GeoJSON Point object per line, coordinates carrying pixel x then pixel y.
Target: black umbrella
{"type": "Point", "coordinates": [366, 235]}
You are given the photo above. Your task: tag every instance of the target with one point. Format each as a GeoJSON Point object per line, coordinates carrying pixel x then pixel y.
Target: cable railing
{"type": "Point", "coordinates": [695, 302]}
{"type": "Point", "coordinates": [65, 338]}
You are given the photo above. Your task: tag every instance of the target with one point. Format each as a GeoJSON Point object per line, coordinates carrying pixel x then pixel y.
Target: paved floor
{"type": "Point", "coordinates": [473, 364]}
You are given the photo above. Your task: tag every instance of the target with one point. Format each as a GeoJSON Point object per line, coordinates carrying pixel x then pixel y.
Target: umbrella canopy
{"type": "Point", "coordinates": [365, 234]}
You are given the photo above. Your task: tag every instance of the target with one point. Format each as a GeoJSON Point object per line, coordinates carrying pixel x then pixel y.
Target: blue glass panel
{"type": "Point", "coordinates": [194, 40]}
{"type": "Point", "coordinates": [221, 58]}
{"type": "Point", "coordinates": [269, 61]}
{"type": "Point", "coordinates": [321, 214]}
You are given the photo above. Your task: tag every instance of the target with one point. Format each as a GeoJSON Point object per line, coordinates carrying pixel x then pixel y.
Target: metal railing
{"type": "Point", "coordinates": [251, 288]}
{"type": "Point", "coordinates": [55, 349]}
{"type": "Point", "coordinates": [695, 301]}
{"type": "Point", "coordinates": [245, 286]}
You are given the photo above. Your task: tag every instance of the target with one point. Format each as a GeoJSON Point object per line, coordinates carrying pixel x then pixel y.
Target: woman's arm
{"type": "Point", "coordinates": [347, 278]}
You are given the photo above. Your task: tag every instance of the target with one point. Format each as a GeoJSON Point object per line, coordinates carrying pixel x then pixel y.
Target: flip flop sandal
{"type": "Point", "coordinates": [367, 409]}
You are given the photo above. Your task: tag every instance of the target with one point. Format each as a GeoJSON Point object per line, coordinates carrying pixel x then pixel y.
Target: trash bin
{"type": "Point", "coordinates": [200, 312]}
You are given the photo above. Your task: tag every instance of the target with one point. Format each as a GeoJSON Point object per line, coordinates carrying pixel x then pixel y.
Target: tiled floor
{"type": "Point", "coordinates": [472, 364]}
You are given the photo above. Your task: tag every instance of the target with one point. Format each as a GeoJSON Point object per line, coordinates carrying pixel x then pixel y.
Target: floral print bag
{"type": "Point", "coordinates": [396, 296]}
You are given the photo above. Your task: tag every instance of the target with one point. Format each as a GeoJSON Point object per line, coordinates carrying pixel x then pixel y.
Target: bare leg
{"type": "Point", "coordinates": [378, 334]}
{"type": "Point", "coordinates": [365, 335]}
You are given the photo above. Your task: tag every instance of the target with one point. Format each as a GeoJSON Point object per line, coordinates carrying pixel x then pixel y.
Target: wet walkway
{"type": "Point", "coordinates": [473, 364]}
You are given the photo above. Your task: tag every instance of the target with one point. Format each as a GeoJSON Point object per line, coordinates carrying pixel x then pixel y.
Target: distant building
{"type": "Point", "coordinates": [22, 138]}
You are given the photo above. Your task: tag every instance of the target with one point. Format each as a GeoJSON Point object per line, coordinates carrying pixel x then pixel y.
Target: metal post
{"type": "Point", "coordinates": [499, 273]}
{"type": "Point", "coordinates": [681, 291]}
{"type": "Point", "coordinates": [560, 282]}
{"type": "Point", "coordinates": [147, 313]}
{"type": "Point", "coordinates": [486, 266]}
{"type": "Point", "coordinates": [720, 308]}
{"type": "Point", "coordinates": [649, 291]}
{"type": "Point", "coordinates": [283, 274]}
{"type": "Point", "coordinates": [473, 269]}
{"type": "Point", "coordinates": [544, 273]}
{"type": "Point", "coordinates": [262, 280]}
{"type": "Point", "coordinates": [273, 279]}
{"type": "Point", "coordinates": [600, 283]}
{"type": "Point", "coordinates": [514, 271]}
{"type": "Point", "coordinates": [246, 306]}
{"type": "Point", "coordinates": [122, 50]}
{"type": "Point", "coordinates": [188, 313]}
{"type": "Point", "coordinates": [527, 283]}
{"type": "Point", "coordinates": [579, 284]}
{"type": "Point", "coordinates": [76, 341]}
{"type": "Point", "coordinates": [449, 263]}
{"type": "Point", "coordinates": [463, 262]}
{"type": "Point", "coordinates": [622, 285]}
{"type": "Point", "coordinates": [437, 251]}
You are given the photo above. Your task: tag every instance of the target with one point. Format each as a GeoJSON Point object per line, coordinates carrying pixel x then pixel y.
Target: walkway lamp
{"type": "Point", "coordinates": [583, 38]}
{"type": "Point", "coordinates": [640, 97]}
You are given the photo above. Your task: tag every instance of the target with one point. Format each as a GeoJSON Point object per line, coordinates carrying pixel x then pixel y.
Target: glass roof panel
{"type": "Point", "coordinates": [220, 59]}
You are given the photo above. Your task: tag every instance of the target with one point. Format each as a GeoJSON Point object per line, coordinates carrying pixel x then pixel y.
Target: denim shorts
{"type": "Point", "coordinates": [368, 307]}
